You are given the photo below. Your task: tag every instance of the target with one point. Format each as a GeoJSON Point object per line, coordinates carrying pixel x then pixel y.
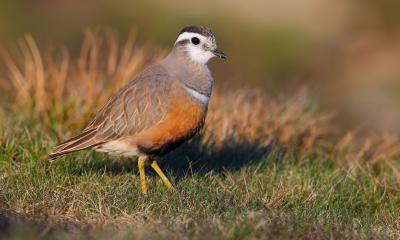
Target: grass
{"type": "Point", "coordinates": [262, 168]}
{"type": "Point", "coordinates": [279, 194]}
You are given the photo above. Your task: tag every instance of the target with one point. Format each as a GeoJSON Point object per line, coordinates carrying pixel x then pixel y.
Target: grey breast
{"type": "Point", "coordinates": [193, 76]}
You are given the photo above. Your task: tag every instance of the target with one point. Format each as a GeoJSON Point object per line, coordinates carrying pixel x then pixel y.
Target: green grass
{"type": "Point", "coordinates": [273, 194]}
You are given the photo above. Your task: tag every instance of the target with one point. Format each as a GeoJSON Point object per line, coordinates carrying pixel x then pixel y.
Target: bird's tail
{"type": "Point", "coordinates": [84, 140]}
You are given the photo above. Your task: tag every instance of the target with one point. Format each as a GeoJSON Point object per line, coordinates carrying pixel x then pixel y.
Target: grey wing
{"type": "Point", "coordinates": [138, 105]}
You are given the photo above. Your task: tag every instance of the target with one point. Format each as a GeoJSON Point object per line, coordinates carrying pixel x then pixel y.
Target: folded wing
{"type": "Point", "coordinates": [139, 105]}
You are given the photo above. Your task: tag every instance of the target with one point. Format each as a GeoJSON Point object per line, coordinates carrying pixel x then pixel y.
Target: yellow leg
{"type": "Point", "coordinates": [160, 173]}
{"type": "Point", "coordinates": [143, 185]}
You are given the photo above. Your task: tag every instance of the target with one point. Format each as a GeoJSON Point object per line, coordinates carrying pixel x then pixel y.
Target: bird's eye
{"type": "Point", "coordinates": [195, 40]}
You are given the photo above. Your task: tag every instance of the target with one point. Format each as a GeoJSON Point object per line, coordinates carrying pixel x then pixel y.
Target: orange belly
{"type": "Point", "coordinates": [184, 118]}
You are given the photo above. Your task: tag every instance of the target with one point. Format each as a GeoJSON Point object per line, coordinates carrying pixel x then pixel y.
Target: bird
{"type": "Point", "coordinates": [163, 106]}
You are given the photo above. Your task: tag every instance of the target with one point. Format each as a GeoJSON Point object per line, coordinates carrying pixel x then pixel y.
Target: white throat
{"type": "Point", "coordinates": [196, 53]}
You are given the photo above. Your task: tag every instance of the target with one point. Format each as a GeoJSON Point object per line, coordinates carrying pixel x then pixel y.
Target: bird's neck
{"type": "Point", "coordinates": [191, 74]}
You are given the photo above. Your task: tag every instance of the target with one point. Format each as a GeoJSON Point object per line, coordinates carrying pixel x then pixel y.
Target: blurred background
{"type": "Point", "coordinates": [345, 53]}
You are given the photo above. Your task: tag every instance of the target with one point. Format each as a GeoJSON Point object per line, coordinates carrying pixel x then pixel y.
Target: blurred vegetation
{"type": "Point", "coordinates": [273, 53]}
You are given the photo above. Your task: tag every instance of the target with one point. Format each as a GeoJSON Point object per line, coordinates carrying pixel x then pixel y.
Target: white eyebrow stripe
{"type": "Point", "coordinates": [199, 96]}
{"type": "Point", "coordinates": [189, 35]}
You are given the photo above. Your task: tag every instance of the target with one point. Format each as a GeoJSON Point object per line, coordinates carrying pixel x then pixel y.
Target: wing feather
{"type": "Point", "coordinates": [138, 105]}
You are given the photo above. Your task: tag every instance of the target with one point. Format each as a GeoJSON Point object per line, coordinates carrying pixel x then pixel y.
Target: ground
{"type": "Point", "coordinates": [274, 193]}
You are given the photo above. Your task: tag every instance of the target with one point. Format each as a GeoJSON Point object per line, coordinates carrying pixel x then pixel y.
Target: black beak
{"type": "Point", "coordinates": [219, 53]}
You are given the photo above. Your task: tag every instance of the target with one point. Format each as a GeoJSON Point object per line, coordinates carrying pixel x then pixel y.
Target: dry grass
{"type": "Point", "coordinates": [53, 85]}
{"type": "Point", "coordinates": [250, 115]}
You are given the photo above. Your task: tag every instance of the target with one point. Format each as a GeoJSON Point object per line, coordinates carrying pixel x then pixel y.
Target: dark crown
{"type": "Point", "coordinates": [198, 29]}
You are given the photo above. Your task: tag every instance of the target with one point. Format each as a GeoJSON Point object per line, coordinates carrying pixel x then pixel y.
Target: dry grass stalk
{"type": "Point", "coordinates": [367, 147]}
{"type": "Point", "coordinates": [48, 84]}
{"type": "Point", "coordinates": [248, 115]}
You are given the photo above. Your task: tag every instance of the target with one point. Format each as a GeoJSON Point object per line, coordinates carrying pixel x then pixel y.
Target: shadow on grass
{"type": "Point", "coordinates": [192, 157]}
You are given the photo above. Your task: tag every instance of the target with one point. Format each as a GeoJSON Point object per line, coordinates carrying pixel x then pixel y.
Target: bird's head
{"type": "Point", "coordinates": [198, 43]}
